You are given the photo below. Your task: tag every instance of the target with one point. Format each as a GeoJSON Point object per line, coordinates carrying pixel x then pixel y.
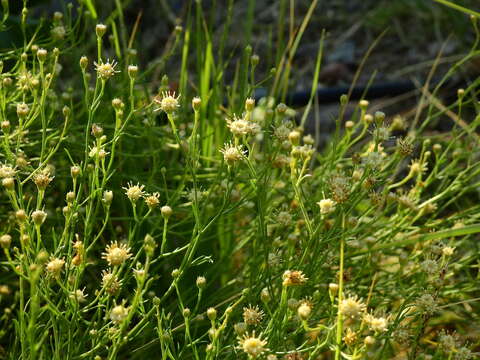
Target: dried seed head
{"type": "Point", "coordinates": [430, 266]}
{"type": "Point", "coordinates": [97, 131]}
{"type": "Point", "coordinates": [382, 133]}
{"type": "Point", "coordinates": [58, 32]}
{"type": "Point", "coordinates": [110, 282]}
{"type": "Point", "coordinates": [232, 154]}
{"type": "Point", "coordinates": [66, 111]}
{"type": "Point", "coordinates": [284, 218]}
{"type": "Point", "coordinates": [42, 179]}
{"type": "Point", "coordinates": [464, 353]}
{"type": "Point", "coordinates": [282, 132]}
{"type": "Point", "coordinates": [252, 315]}
{"type": "Point", "coordinates": [240, 328]}
{"type": "Point", "coordinates": [448, 342]}
{"type": "Point", "coordinates": [116, 254]}
{"type": "Point", "coordinates": [293, 278]}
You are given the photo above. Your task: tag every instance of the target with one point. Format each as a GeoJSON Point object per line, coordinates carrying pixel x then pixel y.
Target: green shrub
{"type": "Point", "coordinates": [136, 222]}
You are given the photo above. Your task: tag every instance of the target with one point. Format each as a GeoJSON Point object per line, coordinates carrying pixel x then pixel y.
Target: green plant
{"type": "Point", "coordinates": [137, 223]}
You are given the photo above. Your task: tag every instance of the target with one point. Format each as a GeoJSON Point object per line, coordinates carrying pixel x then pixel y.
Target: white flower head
{"type": "Point", "coordinates": [116, 254]}
{"type": "Point", "coordinates": [378, 325]}
{"type": "Point", "coordinates": [106, 70]}
{"type": "Point", "coordinates": [232, 154]}
{"type": "Point", "coordinates": [351, 307]}
{"type": "Point", "coordinates": [241, 127]}
{"type": "Point", "coordinates": [134, 192]}
{"type": "Point", "coordinates": [6, 171]}
{"type": "Point", "coordinates": [168, 102]}
{"type": "Point", "coordinates": [326, 206]}
{"type": "Point", "coordinates": [252, 345]}
{"type": "Point", "coordinates": [118, 314]}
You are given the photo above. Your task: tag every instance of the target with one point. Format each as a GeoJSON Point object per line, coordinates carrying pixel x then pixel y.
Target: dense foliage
{"type": "Point", "coordinates": [137, 222]}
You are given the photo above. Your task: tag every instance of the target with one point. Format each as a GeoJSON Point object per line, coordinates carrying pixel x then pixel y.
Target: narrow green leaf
{"type": "Point", "coordinates": [459, 7]}
{"type": "Point", "coordinates": [442, 234]}
{"type": "Point", "coordinates": [91, 8]}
